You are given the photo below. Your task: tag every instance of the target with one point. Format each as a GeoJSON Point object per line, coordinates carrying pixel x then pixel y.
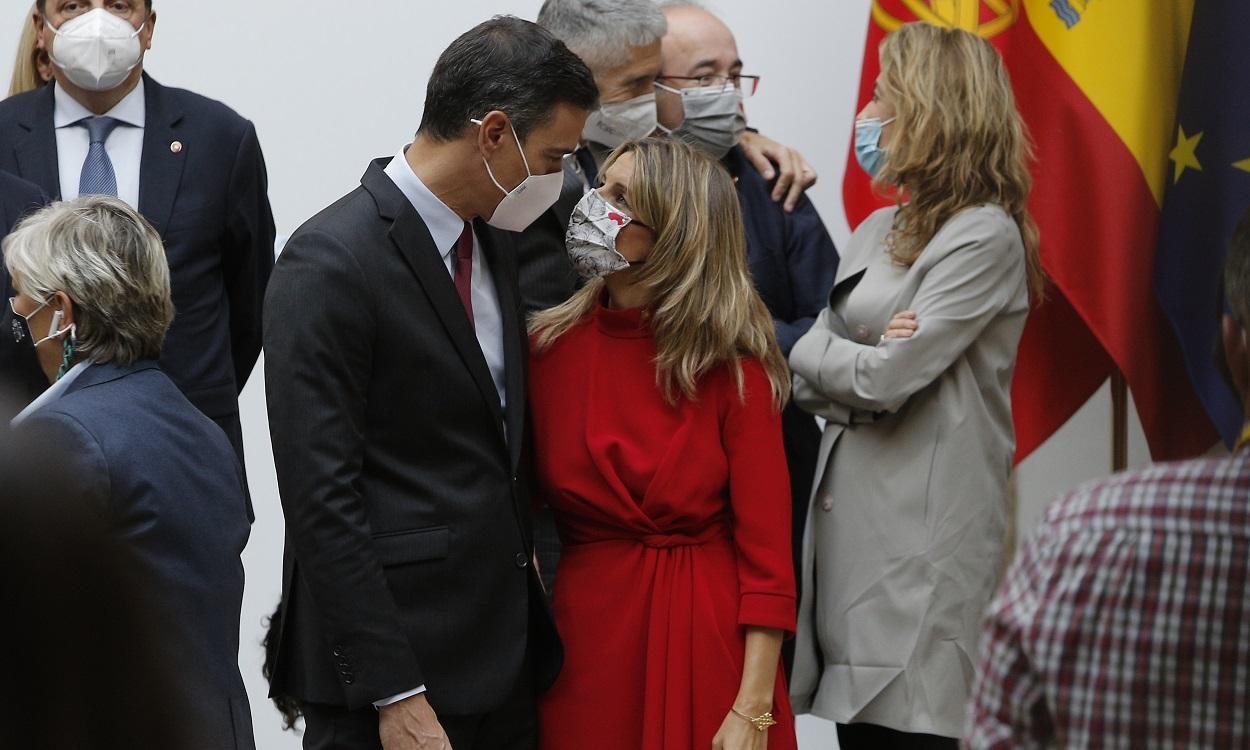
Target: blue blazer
{"type": "Point", "coordinates": [21, 379]}
{"type": "Point", "coordinates": [792, 258]}
{"type": "Point", "coordinates": [170, 485]}
{"type": "Point", "coordinates": [209, 201]}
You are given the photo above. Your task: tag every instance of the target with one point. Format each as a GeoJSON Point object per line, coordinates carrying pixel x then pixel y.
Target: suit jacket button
{"type": "Point", "coordinates": [348, 679]}
{"type": "Point", "coordinates": [521, 560]}
{"type": "Point", "coordinates": [338, 652]}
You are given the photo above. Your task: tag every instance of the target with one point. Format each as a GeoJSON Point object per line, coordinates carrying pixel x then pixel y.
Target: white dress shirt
{"type": "Point", "coordinates": [445, 227]}
{"type": "Point", "coordinates": [124, 145]}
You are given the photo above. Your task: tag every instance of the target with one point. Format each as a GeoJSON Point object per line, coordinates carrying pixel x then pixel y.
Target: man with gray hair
{"type": "Point", "coordinates": [93, 300]}
{"type": "Point", "coordinates": [620, 41]}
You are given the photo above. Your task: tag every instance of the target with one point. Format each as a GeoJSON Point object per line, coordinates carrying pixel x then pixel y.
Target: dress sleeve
{"type": "Point", "coordinates": [759, 495]}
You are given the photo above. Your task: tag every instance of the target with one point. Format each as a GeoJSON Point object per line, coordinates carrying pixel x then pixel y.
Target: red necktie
{"type": "Point", "coordinates": [464, 270]}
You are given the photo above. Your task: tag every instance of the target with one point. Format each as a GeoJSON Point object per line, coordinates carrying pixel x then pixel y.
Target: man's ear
{"type": "Point", "coordinates": [38, 20]}
{"type": "Point", "coordinates": [493, 129]}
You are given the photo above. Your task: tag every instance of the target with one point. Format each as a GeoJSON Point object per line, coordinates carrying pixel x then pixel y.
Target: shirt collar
{"type": "Point", "coordinates": [444, 224]}
{"type": "Point", "coordinates": [130, 111]}
{"type": "Point", "coordinates": [54, 392]}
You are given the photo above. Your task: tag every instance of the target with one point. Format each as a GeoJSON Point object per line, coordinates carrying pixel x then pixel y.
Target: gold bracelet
{"type": "Point", "coordinates": [761, 722]}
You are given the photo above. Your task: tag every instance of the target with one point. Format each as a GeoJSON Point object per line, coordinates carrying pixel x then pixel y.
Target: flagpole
{"type": "Point", "coordinates": [1119, 422]}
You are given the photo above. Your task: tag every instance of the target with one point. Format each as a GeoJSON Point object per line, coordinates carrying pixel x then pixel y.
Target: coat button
{"type": "Point", "coordinates": [338, 651]}
{"type": "Point", "coordinates": [521, 560]}
{"type": "Point", "coordinates": [348, 679]}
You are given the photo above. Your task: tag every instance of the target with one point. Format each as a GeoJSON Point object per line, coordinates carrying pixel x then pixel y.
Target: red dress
{"type": "Point", "coordinates": [676, 530]}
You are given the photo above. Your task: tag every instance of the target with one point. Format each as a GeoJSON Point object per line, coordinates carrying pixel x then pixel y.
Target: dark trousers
{"type": "Point", "coordinates": [512, 726]}
{"type": "Point", "coordinates": [801, 438]}
{"type": "Point", "coordinates": [873, 737]}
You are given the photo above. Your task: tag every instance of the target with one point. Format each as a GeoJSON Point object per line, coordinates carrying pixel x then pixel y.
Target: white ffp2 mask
{"type": "Point", "coordinates": [96, 50]}
{"type": "Point", "coordinates": [526, 202]}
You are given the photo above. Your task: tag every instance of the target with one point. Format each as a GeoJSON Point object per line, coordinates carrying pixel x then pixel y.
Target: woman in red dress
{"type": "Point", "coordinates": [656, 395]}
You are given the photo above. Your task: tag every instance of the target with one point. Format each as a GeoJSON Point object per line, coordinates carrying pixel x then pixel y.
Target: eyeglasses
{"type": "Point", "coordinates": [748, 85]}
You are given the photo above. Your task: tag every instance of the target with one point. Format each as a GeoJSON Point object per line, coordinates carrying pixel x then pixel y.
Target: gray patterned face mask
{"type": "Point", "coordinates": [591, 238]}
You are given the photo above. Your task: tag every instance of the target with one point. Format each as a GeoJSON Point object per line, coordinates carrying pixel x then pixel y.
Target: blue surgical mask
{"type": "Point", "coordinates": [868, 151]}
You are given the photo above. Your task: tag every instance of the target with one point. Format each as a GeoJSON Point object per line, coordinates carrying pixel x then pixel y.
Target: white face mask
{"type": "Point", "coordinates": [713, 120]}
{"type": "Point", "coordinates": [526, 202]}
{"type": "Point", "coordinates": [591, 238]}
{"type": "Point", "coordinates": [618, 122]}
{"type": "Point", "coordinates": [96, 50]}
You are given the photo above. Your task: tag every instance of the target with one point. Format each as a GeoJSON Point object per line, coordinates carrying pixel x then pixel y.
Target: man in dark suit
{"type": "Point", "coordinates": [396, 391]}
{"type": "Point", "coordinates": [94, 300]}
{"type": "Point", "coordinates": [190, 165]}
{"type": "Point", "coordinates": [21, 380]}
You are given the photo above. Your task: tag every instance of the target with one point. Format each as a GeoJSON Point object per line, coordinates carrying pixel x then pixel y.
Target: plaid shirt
{"type": "Point", "coordinates": [1125, 622]}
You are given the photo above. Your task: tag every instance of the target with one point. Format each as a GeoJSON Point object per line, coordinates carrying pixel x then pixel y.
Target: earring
{"type": "Point", "coordinates": [70, 344]}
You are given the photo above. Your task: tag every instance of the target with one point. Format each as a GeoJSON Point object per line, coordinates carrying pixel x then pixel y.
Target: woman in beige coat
{"type": "Point", "coordinates": [911, 368]}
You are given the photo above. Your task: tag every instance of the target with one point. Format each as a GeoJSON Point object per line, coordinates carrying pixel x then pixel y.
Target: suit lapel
{"type": "Point", "coordinates": [160, 172]}
{"type": "Point", "coordinates": [503, 271]}
{"type": "Point", "coordinates": [35, 150]}
{"type": "Point", "coordinates": [411, 237]}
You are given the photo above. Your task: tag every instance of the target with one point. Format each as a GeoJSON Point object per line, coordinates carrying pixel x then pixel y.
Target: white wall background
{"type": "Point", "coordinates": [331, 85]}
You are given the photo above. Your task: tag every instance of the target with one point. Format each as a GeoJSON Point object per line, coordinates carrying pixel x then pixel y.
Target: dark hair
{"type": "Point", "coordinates": [43, 5]}
{"type": "Point", "coordinates": [504, 64]}
{"type": "Point", "coordinates": [1237, 271]}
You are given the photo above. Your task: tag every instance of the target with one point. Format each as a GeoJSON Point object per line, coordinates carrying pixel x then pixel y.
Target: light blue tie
{"type": "Point", "coordinates": [98, 177]}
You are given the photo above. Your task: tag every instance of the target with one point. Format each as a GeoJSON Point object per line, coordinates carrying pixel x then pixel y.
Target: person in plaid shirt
{"type": "Point", "coordinates": [1125, 622]}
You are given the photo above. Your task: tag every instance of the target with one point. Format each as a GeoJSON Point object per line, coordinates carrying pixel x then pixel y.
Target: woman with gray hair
{"type": "Point", "coordinates": [93, 299]}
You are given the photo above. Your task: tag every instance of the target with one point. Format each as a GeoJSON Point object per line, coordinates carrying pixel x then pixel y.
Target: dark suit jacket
{"type": "Point", "coordinates": [209, 201]}
{"type": "Point", "coordinates": [408, 536]}
{"type": "Point", "coordinates": [546, 273]}
{"type": "Point", "coordinates": [21, 379]}
{"type": "Point", "coordinates": [167, 478]}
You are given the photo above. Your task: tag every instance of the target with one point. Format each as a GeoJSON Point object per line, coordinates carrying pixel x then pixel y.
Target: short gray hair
{"type": "Point", "coordinates": [602, 31]}
{"type": "Point", "coordinates": [111, 264]}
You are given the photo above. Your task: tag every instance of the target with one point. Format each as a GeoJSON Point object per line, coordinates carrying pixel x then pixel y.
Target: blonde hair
{"type": "Point", "coordinates": [704, 310]}
{"type": "Point", "coordinates": [26, 75]}
{"type": "Point", "coordinates": [958, 139]}
{"type": "Point", "coordinates": [111, 264]}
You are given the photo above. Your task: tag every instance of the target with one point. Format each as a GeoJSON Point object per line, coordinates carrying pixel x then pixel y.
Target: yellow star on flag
{"type": "Point", "coordinates": [1243, 165]}
{"type": "Point", "coordinates": [1185, 154]}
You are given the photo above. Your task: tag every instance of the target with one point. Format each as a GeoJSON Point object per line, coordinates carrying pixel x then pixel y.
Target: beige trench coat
{"type": "Point", "coordinates": [905, 532]}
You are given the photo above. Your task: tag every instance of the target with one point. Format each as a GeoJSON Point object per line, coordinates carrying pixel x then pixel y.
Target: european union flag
{"type": "Point", "coordinates": [1208, 189]}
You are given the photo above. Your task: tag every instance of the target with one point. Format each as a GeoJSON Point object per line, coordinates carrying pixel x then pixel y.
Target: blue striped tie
{"type": "Point", "coordinates": [98, 177]}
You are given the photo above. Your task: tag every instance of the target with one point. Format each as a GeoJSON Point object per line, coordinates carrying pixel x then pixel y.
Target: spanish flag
{"type": "Point", "coordinates": [1097, 83]}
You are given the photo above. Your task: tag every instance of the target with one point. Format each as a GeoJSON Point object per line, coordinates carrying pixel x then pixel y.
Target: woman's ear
{"type": "Point", "coordinates": [64, 305]}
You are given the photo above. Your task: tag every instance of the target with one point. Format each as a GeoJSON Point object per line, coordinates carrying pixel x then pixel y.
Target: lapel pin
{"type": "Point", "coordinates": [176, 147]}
